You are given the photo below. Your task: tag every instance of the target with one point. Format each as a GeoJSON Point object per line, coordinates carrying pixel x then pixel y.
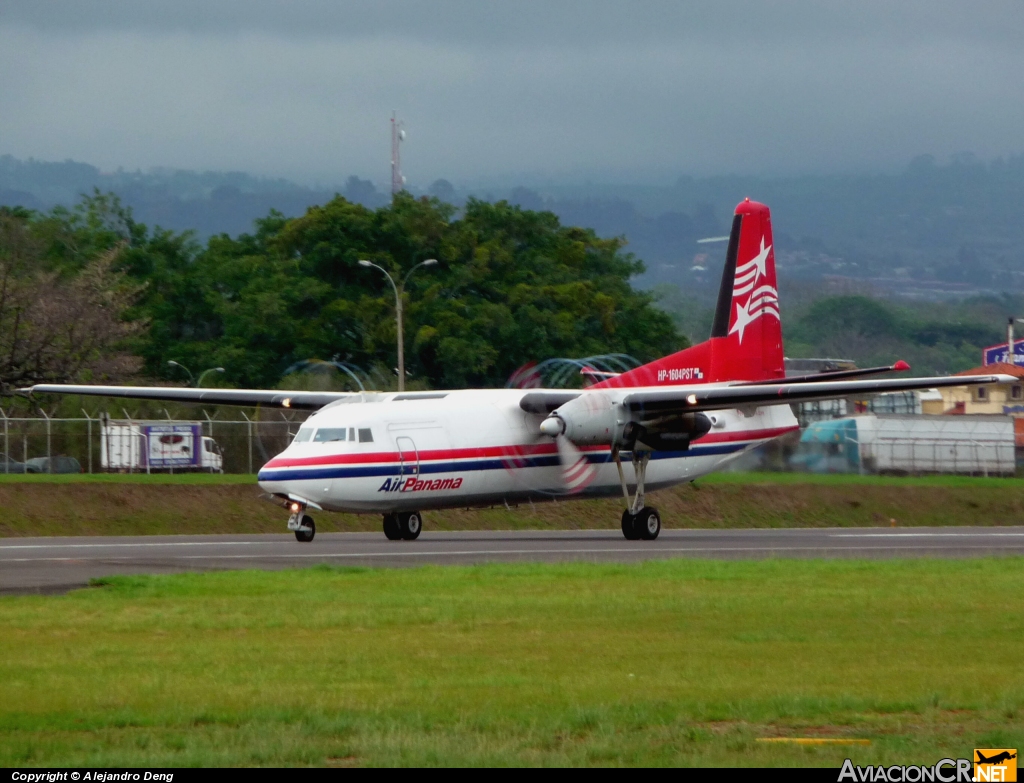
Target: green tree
{"type": "Point", "coordinates": [512, 286]}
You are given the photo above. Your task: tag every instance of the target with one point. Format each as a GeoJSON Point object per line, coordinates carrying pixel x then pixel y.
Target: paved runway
{"type": "Point", "coordinates": [29, 565]}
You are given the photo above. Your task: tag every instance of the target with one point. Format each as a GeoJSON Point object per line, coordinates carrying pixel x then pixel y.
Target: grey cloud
{"type": "Point", "coordinates": [553, 89]}
{"type": "Point", "coordinates": [569, 22]}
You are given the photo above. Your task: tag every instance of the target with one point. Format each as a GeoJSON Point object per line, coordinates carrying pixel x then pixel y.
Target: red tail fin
{"type": "Point", "coordinates": [746, 338]}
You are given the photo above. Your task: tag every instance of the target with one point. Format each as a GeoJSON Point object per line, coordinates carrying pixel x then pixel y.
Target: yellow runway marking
{"type": "Point", "coordinates": [815, 740]}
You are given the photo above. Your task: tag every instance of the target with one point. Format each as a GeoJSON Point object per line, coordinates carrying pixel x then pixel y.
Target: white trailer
{"type": "Point", "coordinates": [159, 445]}
{"type": "Point", "coordinates": [895, 443]}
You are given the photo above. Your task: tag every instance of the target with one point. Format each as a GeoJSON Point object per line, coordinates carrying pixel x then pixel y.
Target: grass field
{"type": "Point", "coordinates": [675, 662]}
{"type": "Point", "coordinates": [201, 503]}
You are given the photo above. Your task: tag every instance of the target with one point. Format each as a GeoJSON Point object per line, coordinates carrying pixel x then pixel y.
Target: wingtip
{"type": "Point", "coordinates": [901, 366]}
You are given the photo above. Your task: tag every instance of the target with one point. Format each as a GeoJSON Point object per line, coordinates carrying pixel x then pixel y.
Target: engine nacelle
{"type": "Point", "coordinates": [674, 432]}
{"type": "Point", "coordinates": [696, 425]}
{"type": "Point", "coordinates": [594, 419]}
{"type": "Point", "coordinates": [590, 419]}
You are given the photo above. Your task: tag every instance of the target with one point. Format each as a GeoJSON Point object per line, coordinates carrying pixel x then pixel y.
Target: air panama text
{"type": "Point", "coordinates": [413, 484]}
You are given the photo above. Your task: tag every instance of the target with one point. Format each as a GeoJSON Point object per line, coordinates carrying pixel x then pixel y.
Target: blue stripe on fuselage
{"type": "Point", "coordinates": [463, 466]}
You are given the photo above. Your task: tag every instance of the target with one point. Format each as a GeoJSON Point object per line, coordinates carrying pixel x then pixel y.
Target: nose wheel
{"type": "Point", "coordinates": [639, 522]}
{"type": "Point", "coordinates": [306, 529]}
{"type": "Point", "coordinates": [301, 523]}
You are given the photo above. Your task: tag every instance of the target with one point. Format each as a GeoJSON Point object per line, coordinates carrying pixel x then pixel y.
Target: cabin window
{"type": "Point", "coordinates": [303, 435]}
{"type": "Point", "coordinates": [352, 434]}
{"type": "Point", "coordinates": [330, 434]}
{"type": "Point", "coordinates": [1017, 392]}
{"type": "Point", "coordinates": [365, 436]}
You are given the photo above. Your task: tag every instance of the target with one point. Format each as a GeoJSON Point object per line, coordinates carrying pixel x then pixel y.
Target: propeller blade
{"type": "Point", "coordinates": [577, 471]}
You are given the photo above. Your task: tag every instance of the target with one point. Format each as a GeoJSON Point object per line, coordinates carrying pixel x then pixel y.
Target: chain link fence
{"type": "Point", "coordinates": [43, 444]}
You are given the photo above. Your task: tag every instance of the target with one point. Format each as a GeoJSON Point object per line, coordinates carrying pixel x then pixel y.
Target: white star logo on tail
{"type": "Point", "coordinates": [743, 317]}
{"type": "Point", "coordinates": [748, 274]}
{"type": "Point", "coordinates": [761, 259]}
{"type": "Point", "coordinates": [762, 301]}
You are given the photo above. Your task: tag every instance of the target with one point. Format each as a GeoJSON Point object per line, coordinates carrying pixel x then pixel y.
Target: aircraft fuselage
{"type": "Point", "coordinates": [402, 452]}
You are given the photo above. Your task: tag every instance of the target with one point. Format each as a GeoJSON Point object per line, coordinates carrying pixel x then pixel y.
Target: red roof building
{"type": "Point", "coordinates": [998, 398]}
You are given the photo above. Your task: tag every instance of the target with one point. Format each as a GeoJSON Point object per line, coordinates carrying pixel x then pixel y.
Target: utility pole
{"type": "Point", "coordinates": [1009, 341]}
{"type": "Point", "coordinates": [1010, 357]}
{"type": "Point", "coordinates": [397, 137]}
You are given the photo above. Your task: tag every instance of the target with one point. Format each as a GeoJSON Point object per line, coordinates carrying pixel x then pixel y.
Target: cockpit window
{"type": "Point", "coordinates": [303, 435]}
{"type": "Point", "coordinates": [365, 436]}
{"type": "Point", "coordinates": [329, 434]}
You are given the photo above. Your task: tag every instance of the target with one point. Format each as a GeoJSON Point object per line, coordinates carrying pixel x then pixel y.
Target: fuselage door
{"type": "Point", "coordinates": [408, 456]}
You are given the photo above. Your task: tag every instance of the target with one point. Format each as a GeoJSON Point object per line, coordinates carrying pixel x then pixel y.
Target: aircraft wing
{"type": "Point", "coordinates": [684, 399]}
{"type": "Point", "coordinates": [297, 400]}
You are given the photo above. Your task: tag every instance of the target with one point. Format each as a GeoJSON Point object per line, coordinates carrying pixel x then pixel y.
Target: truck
{"type": "Point", "coordinates": [158, 446]}
{"type": "Point", "coordinates": [902, 444]}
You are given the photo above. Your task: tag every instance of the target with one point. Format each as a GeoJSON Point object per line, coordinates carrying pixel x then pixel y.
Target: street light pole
{"type": "Point", "coordinates": [192, 380]}
{"type": "Point", "coordinates": [399, 293]}
{"type": "Point", "coordinates": [191, 377]}
{"type": "Point", "coordinates": [199, 380]}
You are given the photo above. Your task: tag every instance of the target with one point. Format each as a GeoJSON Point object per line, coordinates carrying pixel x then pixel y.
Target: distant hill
{"type": "Point", "coordinates": [933, 231]}
{"type": "Point", "coordinates": [207, 203]}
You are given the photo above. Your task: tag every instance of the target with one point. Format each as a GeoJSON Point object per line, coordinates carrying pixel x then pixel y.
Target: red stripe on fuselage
{"type": "Point", "coordinates": [509, 452]}
{"type": "Point", "coordinates": [424, 456]}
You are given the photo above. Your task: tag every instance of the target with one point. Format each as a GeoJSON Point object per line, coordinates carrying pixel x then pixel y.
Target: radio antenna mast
{"type": "Point", "coordinates": [397, 137]}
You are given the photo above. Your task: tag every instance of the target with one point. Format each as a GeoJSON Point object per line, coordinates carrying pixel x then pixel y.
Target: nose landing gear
{"type": "Point", "coordinates": [638, 521]}
{"type": "Point", "coordinates": [302, 523]}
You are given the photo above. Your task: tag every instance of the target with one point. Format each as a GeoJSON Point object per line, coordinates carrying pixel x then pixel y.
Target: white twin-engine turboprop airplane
{"type": "Point", "coordinates": [673, 420]}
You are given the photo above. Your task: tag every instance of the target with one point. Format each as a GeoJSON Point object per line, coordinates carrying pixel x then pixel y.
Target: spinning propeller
{"type": "Point", "coordinates": [577, 471]}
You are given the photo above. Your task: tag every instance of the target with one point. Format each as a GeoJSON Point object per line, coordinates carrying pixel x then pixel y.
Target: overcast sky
{"type": "Point", "coordinates": [623, 90]}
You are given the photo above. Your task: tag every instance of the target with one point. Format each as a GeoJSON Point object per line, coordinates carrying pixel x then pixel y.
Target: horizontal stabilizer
{"type": "Point", "coordinates": [835, 375]}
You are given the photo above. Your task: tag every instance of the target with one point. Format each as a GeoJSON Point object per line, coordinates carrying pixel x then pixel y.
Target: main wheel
{"type": "Point", "coordinates": [648, 524]}
{"type": "Point", "coordinates": [411, 525]}
{"type": "Point", "coordinates": [305, 536]}
{"type": "Point", "coordinates": [629, 526]}
{"type": "Point", "coordinates": [391, 527]}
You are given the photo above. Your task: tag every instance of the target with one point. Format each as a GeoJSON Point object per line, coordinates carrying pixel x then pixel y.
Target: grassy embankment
{"type": "Point", "coordinates": [123, 505]}
{"type": "Point", "coordinates": [135, 505]}
{"type": "Point", "coordinates": [678, 662]}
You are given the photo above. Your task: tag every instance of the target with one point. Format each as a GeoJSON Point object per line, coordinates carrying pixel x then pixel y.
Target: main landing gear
{"type": "Point", "coordinates": [403, 525]}
{"type": "Point", "coordinates": [638, 521]}
{"type": "Point", "coordinates": [302, 523]}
